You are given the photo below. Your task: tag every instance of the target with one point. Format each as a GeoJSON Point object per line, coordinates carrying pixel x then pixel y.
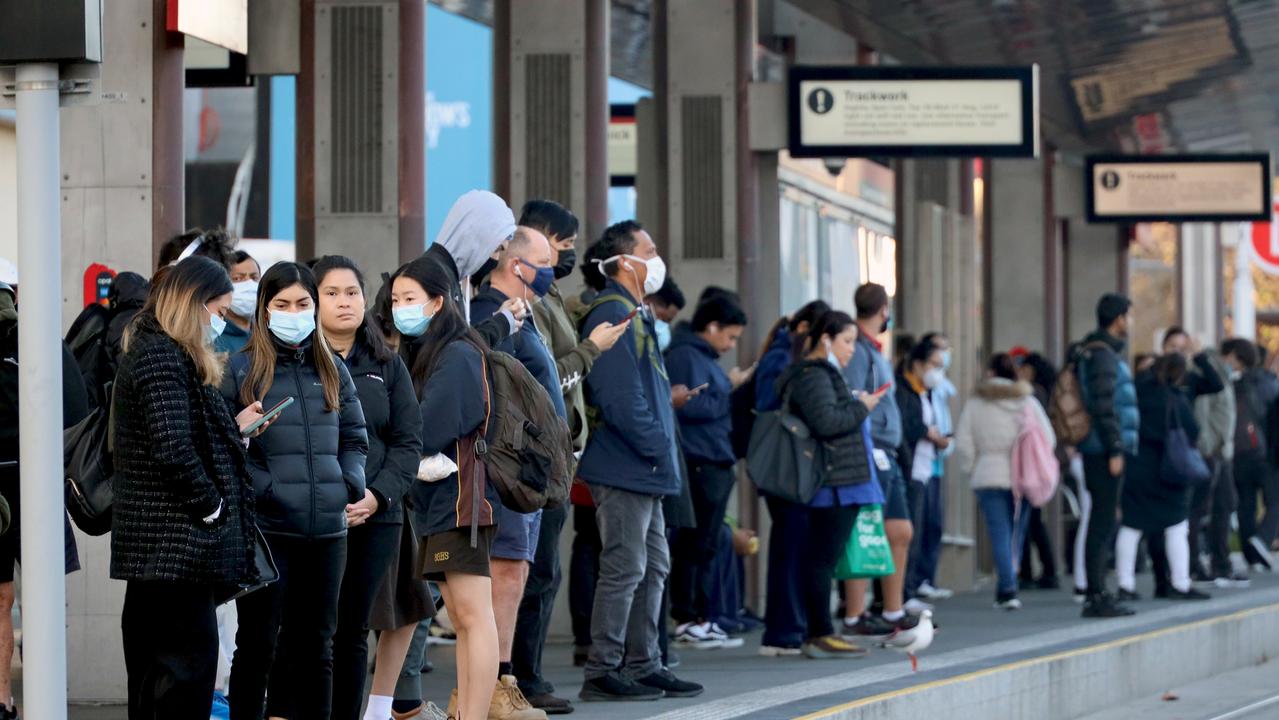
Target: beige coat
{"type": "Point", "coordinates": [988, 430]}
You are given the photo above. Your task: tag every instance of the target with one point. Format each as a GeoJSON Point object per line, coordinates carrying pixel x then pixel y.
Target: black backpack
{"type": "Point", "coordinates": [742, 411]}
{"type": "Point", "coordinates": [87, 339]}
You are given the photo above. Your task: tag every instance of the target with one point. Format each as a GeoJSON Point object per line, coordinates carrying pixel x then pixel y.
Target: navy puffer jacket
{"type": "Point", "coordinates": [309, 465]}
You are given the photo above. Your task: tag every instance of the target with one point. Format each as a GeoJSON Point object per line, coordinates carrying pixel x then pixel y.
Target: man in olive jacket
{"type": "Point", "coordinates": [573, 360]}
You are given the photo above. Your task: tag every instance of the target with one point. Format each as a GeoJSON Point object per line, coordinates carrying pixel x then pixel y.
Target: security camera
{"type": "Point", "coordinates": [834, 165]}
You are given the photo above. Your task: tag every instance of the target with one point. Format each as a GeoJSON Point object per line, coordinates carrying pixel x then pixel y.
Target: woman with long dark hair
{"type": "Point", "coordinates": [376, 521]}
{"type": "Point", "coordinates": [1042, 376]}
{"type": "Point", "coordinates": [813, 388]}
{"type": "Point", "coordinates": [307, 470]}
{"type": "Point", "coordinates": [183, 516]}
{"type": "Point", "coordinates": [454, 515]}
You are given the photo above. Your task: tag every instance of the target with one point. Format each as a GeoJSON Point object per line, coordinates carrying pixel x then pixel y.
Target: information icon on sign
{"type": "Point", "coordinates": [821, 101]}
{"type": "Point", "coordinates": [1110, 179]}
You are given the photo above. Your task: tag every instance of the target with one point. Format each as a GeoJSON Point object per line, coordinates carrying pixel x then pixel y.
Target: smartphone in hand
{"type": "Point", "coordinates": [630, 315]}
{"type": "Point", "coordinates": [697, 390]}
{"type": "Point", "coordinates": [267, 417]}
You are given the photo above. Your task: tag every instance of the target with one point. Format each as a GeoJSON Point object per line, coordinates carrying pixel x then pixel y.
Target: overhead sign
{"type": "Point", "coordinates": [224, 23]}
{"type": "Point", "coordinates": [874, 111]}
{"type": "Point", "coordinates": [1177, 188]}
{"type": "Point", "coordinates": [623, 146]}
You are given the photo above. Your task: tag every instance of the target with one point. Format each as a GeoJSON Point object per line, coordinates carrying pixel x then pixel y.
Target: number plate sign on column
{"type": "Point", "coordinates": [863, 111]}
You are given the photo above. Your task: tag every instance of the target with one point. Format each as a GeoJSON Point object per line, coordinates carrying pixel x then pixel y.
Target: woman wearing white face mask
{"type": "Point", "coordinates": [306, 469]}
{"type": "Point", "coordinates": [922, 441]}
{"type": "Point", "coordinates": [245, 274]}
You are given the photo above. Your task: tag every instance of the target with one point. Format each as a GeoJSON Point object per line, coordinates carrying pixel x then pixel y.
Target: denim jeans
{"type": "Point", "coordinates": [634, 563]}
{"type": "Point", "coordinates": [1006, 534]}
{"type": "Point", "coordinates": [409, 684]}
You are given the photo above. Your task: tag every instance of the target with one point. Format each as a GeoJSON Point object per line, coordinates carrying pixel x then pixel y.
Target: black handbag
{"type": "Point", "coordinates": [263, 562]}
{"type": "Point", "coordinates": [88, 470]}
{"type": "Point", "coordinates": [1182, 464]}
{"type": "Point", "coordinates": [782, 458]}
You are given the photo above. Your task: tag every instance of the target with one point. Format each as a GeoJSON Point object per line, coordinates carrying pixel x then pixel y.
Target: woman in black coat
{"type": "Point", "coordinates": [1149, 503]}
{"type": "Point", "coordinates": [375, 522]}
{"type": "Point", "coordinates": [454, 514]}
{"type": "Point", "coordinates": [813, 388]}
{"type": "Point", "coordinates": [307, 469]}
{"type": "Point", "coordinates": [182, 534]}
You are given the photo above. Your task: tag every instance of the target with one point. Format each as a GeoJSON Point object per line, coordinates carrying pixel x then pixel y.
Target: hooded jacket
{"type": "Point", "coordinates": [705, 421]}
{"type": "Point", "coordinates": [1110, 396]}
{"type": "Point", "coordinates": [820, 397]}
{"type": "Point", "coordinates": [128, 294]}
{"type": "Point", "coordinates": [771, 366]}
{"type": "Point", "coordinates": [988, 430]}
{"type": "Point", "coordinates": [634, 447]}
{"type": "Point", "coordinates": [476, 226]}
{"type": "Point", "coordinates": [393, 425]}
{"type": "Point", "coordinates": [526, 345]}
{"type": "Point", "coordinates": [309, 465]}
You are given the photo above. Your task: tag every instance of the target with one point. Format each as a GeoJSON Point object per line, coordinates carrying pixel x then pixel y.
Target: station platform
{"type": "Point", "coordinates": [1043, 661]}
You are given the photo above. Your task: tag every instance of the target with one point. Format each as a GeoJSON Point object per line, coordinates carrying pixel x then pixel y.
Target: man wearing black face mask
{"type": "Point", "coordinates": [573, 360]}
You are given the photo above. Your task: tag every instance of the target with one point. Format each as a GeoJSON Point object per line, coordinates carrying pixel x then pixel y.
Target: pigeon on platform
{"type": "Point", "coordinates": [912, 640]}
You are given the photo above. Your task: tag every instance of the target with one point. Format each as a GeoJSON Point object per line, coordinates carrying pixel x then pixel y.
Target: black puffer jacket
{"type": "Point", "coordinates": [394, 428]}
{"type": "Point", "coordinates": [177, 456]}
{"type": "Point", "coordinates": [819, 396]}
{"type": "Point", "coordinates": [309, 464]}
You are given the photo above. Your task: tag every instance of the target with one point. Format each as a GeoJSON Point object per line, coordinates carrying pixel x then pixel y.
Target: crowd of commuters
{"type": "Point", "coordinates": [277, 539]}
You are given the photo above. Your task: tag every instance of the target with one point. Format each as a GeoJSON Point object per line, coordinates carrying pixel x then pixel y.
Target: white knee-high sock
{"type": "Point", "coordinates": [379, 708]}
{"type": "Point", "coordinates": [1177, 543]}
{"type": "Point", "coordinates": [1081, 535]}
{"type": "Point", "coordinates": [1126, 557]}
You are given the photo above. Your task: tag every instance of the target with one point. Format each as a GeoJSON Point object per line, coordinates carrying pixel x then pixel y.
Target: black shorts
{"type": "Point", "coordinates": [11, 541]}
{"type": "Point", "coordinates": [451, 552]}
{"type": "Point", "coordinates": [894, 485]}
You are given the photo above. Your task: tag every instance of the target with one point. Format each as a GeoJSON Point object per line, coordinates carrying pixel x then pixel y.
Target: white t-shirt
{"type": "Point", "coordinates": [921, 469]}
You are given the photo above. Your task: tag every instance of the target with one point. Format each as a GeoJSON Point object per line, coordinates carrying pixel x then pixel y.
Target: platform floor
{"type": "Point", "coordinates": [973, 637]}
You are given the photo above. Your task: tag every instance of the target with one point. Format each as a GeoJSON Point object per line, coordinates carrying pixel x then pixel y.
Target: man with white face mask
{"type": "Point", "coordinates": [631, 462]}
{"type": "Point", "coordinates": [245, 273]}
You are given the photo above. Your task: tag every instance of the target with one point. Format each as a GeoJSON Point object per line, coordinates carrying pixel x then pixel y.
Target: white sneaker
{"type": "Point", "coordinates": [928, 592]}
{"type": "Point", "coordinates": [776, 651]}
{"type": "Point", "coordinates": [697, 637]}
{"type": "Point", "coordinates": [1009, 604]}
{"type": "Point", "coordinates": [715, 632]}
{"type": "Point", "coordinates": [915, 606]}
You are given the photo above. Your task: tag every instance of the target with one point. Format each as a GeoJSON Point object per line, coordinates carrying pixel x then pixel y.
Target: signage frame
{"type": "Point", "coordinates": [1091, 161]}
{"type": "Point", "coordinates": [624, 112]}
{"type": "Point", "coordinates": [1027, 76]}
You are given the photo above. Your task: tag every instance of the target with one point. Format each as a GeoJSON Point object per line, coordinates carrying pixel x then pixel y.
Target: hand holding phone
{"type": "Point", "coordinates": [882, 388]}
{"type": "Point", "coordinates": [266, 418]}
{"type": "Point", "coordinates": [698, 390]}
{"type": "Point", "coordinates": [630, 315]}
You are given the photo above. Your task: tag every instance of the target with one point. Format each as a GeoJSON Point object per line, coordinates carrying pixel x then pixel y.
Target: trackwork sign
{"type": "Point", "coordinates": [863, 111]}
{"type": "Point", "coordinates": [1177, 188]}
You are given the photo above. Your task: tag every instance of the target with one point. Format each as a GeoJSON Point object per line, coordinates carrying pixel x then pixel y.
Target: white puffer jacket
{"type": "Point", "coordinates": [988, 430]}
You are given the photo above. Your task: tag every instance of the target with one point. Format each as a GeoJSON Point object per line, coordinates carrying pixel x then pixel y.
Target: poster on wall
{"type": "Point", "coordinates": [877, 111]}
{"type": "Point", "coordinates": [623, 145]}
{"type": "Point", "coordinates": [1178, 188]}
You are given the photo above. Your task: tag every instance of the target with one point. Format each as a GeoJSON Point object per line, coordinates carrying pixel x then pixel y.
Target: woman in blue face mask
{"type": "Point", "coordinates": [306, 469]}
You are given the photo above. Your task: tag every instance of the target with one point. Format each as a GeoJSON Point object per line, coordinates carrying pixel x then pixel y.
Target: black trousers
{"type": "Point", "coordinates": [1254, 474]}
{"type": "Point", "coordinates": [170, 649]}
{"type": "Point", "coordinates": [1038, 537]}
{"type": "Point", "coordinates": [785, 617]}
{"type": "Point", "coordinates": [1100, 542]}
{"type": "Point", "coordinates": [1213, 504]}
{"type": "Point", "coordinates": [693, 552]}
{"type": "Point", "coordinates": [583, 571]}
{"type": "Point", "coordinates": [294, 657]}
{"type": "Point", "coordinates": [370, 550]}
{"type": "Point", "coordinates": [828, 532]}
{"type": "Point", "coordinates": [534, 619]}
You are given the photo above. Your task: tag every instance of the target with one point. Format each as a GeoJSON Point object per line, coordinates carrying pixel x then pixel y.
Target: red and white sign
{"type": "Point", "coordinates": [224, 23]}
{"type": "Point", "coordinates": [1265, 245]}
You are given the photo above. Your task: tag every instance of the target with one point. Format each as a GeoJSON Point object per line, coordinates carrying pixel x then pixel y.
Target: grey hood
{"type": "Point", "coordinates": [477, 224]}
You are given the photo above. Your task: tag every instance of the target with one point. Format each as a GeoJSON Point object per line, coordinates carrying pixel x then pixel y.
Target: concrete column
{"type": "Point", "coordinates": [1017, 295]}
{"type": "Point", "coordinates": [1094, 257]}
{"type": "Point", "coordinates": [1201, 290]}
{"type": "Point", "coordinates": [551, 105]}
{"type": "Point", "coordinates": [122, 195]}
{"type": "Point", "coordinates": [361, 128]}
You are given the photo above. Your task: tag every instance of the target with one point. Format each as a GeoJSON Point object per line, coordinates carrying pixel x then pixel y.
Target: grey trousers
{"type": "Point", "coordinates": [634, 563]}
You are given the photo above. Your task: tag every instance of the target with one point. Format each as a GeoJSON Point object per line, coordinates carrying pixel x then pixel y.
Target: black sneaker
{"type": "Point", "coordinates": [1191, 594]}
{"type": "Point", "coordinates": [8, 713]}
{"type": "Point", "coordinates": [665, 681]}
{"type": "Point", "coordinates": [550, 704]}
{"type": "Point", "coordinates": [612, 688]}
{"type": "Point", "coordinates": [1103, 605]}
{"type": "Point", "coordinates": [874, 626]}
{"type": "Point", "coordinates": [1130, 595]}
{"type": "Point", "coordinates": [1048, 582]}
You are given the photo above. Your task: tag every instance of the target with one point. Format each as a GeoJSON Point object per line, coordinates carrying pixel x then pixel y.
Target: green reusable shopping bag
{"type": "Point", "coordinates": [866, 555]}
